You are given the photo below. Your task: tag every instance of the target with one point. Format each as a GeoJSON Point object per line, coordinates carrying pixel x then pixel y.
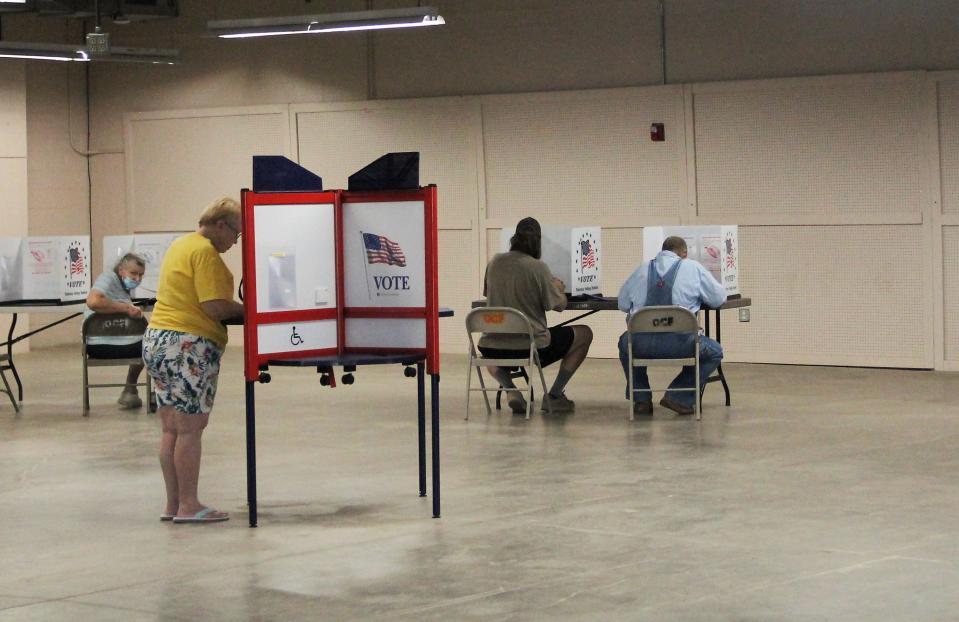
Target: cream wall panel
{"type": "Point", "coordinates": [832, 295]}
{"type": "Point", "coordinates": [813, 151]}
{"type": "Point", "coordinates": [334, 143]}
{"type": "Point", "coordinates": [575, 156]}
{"type": "Point", "coordinates": [746, 39]}
{"type": "Point", "coordinates": [57, 183]}
{"type": "Point", "coordinates": [950, 293]}
{"type": "Point", "coordinates": [457, 286]}
{"type": "Point", "coordinates": [13, 110]}
{"type": "Point", "coordinates": [501, 46]}
{"type": "Point", "coordinates": [178, 163]}
{"type": "Point", "coordinates": [949, 144]}
{"type": "Point", "coordinates": [13, 181]}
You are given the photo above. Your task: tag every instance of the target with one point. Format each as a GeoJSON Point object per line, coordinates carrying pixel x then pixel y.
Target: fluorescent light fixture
{"type": "Point", "coordinates": [155, 56]}
{"type": "Point", "coordinates": [58, 52]}
{"type": "Point", "coordinates": [331, 22]}
{"type": "Point", "coordinates": [43, 51]}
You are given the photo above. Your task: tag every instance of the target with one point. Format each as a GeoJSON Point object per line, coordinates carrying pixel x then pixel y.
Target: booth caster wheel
{"type": "Point", "coordinates": [409, 372]}
{"type": "Point", "coordinates": [348, 379]}
{"type": "Point", "coordinates": [325, 380]}
{"type": "Point", "coordinates": [265, 377]}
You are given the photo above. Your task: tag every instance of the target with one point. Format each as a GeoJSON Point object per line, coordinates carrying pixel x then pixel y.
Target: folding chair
{"type": "Point", "coordinates": [5, 365]}
{"type": "Point", "coordinates": [112, 325]}
{"type": "Point", "coordinates": [663, 319]}
{"type": "Point", "coordinates": [500, 321]}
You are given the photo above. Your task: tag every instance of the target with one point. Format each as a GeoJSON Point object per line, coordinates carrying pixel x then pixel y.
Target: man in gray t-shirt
{"type": "Point", "coordinates": [111, 294]}
{"type": "Point", "coordinates": [520, 280]}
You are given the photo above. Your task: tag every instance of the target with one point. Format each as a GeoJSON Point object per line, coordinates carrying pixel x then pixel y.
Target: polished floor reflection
{"type": "Point", "coordinates": [822, 494]}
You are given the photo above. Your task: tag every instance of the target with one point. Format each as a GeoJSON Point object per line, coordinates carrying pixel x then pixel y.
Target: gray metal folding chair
{"type": "Point", "coordinates": [662, 319]}
{"type": "Point", "coordinates": [500, 321]}
{"type": "Point", "coordinates": [112, 325]}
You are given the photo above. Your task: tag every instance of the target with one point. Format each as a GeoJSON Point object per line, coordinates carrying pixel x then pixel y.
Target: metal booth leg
{"type": "Point", "coordinates": [251, 452]}
{"type": "Point", "coordinates": [435, 430]}
{"type": "Point", "coordinates": [421, 425]}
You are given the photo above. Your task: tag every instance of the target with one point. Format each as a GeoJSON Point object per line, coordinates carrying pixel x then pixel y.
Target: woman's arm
{"type": "Point", "coordinates": [220, 309]}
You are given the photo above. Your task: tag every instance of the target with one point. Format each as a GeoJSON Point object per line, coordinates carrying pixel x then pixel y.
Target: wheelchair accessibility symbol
{"type": "Point", "coordinates": [295, 339]}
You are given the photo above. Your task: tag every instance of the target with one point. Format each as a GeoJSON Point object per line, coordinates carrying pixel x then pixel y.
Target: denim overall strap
{"type": "Point", "coordinates": [659, 290]}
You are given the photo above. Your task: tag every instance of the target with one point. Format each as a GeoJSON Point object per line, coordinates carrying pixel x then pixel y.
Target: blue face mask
{"type": "Point", "coordinates": [130, 284]}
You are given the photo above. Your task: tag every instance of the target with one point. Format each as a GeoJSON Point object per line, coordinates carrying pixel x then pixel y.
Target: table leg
{"type": "Point", "coordinates": [13, 368]}
{"type": "Point", "coordinates": [435, 430]}
{"type": "Point", "coordinates": [421, 424]}
{"type": "Point", "coordinates": [251, 452]}
{"type": "Point", "coordinates": [719, 370]}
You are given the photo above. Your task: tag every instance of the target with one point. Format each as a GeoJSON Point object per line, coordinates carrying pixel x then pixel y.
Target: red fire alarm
{"type": "Point", "coordinates": [657, 132]}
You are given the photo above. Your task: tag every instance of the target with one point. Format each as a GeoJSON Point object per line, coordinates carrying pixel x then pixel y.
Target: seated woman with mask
{"type": "Point", "coordinates": [111, 294]}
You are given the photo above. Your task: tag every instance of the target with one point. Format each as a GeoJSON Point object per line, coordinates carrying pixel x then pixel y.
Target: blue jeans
{"type": "Point", "coordinates": [670, 346]}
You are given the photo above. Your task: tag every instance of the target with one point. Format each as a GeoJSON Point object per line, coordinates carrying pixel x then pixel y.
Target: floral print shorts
{"type": "Point", "coordinates": [184, 369]}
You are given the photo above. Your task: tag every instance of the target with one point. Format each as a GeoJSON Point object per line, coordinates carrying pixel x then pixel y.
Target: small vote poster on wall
{"type": "Point", "coordinates": [384, 252]}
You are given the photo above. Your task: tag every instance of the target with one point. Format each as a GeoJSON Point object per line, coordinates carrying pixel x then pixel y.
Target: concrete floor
{"type": "Point", "coordinates": [822, 494]}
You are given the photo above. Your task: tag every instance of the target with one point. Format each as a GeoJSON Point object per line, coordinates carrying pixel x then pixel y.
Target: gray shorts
{"type": "Point", "coordinates": [184, 369]}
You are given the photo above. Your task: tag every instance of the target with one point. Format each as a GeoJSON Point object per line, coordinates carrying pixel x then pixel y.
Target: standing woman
{"type": "Point", "coordinates": [182, 349]}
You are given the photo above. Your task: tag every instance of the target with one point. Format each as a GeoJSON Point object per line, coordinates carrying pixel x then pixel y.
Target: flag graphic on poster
{"type": "Point", "coordinates": [587, 254]}
{"type": "Point", "coordinates": [380, 249]}
{"type": "Point", "coordinates": [76, 261]}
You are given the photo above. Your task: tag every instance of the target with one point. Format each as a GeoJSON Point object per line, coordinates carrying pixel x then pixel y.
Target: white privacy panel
{"type": "Point", "coordinates": [335, 143]}
{"type": "Point", "coordinates": [384, 254]}
{"type": "Point", "coordinates": [295, 257]}
{"type": "Point", "coordinates": [950, 293]}
{"type": "Point", "coordinates": [296, 336]}
{"type": "Point", "coordinates": [385, 333]}
{"type": "Point", "coordinates": [178, 163]}
{"type": "Point", "coordinates": [832, 295]}
{"type": "Point", "coordinates": [809, 151]}
{"type": "Point", "coordinates": [949, 144]}
{"type": "Point", "coordinates": [563, 155]}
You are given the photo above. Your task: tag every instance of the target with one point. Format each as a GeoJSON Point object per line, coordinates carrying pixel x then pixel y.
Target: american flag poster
{"type": "Point", "coordinates": [587, 254]}
{"type": "Point", "coordinates": [381, 249]}
{"type": "Point", "coordinates": [76, 261]}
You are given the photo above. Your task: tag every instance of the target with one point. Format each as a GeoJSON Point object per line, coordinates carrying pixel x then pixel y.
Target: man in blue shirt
{"type": "Point", "coordinates": [669, 279]}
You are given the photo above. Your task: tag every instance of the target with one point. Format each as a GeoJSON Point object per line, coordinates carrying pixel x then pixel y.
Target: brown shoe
{"type": "Point", "coordinates": [642, 408]}
{"type": "Point", "coordinates": [675, 406]}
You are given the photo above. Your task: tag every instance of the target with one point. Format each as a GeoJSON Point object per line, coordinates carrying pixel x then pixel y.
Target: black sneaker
{"type": "Point", "coordinates": [516, 403]}
{"type": "Point", "coordinates": [558, 404]}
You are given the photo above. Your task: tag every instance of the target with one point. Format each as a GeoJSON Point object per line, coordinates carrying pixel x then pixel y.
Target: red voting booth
{"type": "Point", "coordinates": [340, 278]}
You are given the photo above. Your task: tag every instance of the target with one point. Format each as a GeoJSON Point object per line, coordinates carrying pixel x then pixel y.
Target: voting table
{"type": "Point", "coordinates": [588, 305]}
{"type": "Point", "coordinates": [73, 307]}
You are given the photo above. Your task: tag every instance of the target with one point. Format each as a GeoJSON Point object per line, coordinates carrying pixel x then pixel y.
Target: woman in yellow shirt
{"type": "Point", "coordinates": [182, 349]}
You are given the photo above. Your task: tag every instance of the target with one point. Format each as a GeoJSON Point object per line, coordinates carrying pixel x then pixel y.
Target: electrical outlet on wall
{"type": "Point", "coordinates": [744, 314]}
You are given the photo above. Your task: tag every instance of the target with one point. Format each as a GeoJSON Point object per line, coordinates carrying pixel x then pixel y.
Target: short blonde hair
{"type": "Point", "coordinates": [221, 209]}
